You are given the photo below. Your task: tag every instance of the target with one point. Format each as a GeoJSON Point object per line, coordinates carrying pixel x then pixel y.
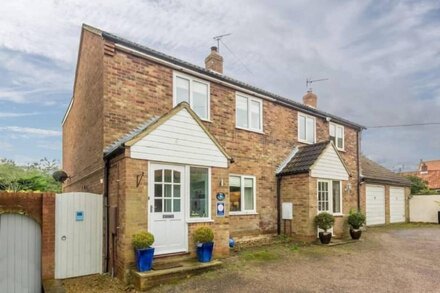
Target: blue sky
{"type": "Point", "coordinates": [382, 59]}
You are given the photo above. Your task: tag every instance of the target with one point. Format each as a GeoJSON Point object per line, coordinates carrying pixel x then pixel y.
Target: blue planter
{"type": "Point", "coordinates": [204, 251]}
{"type": "Point", "coordinates": [144, 259]}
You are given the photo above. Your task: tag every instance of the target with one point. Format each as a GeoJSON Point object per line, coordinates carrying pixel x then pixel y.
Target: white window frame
{"type": "Point", "coordinates": [336, 126]}
{"type": "Point", "coordinates": [330, 196]}
{"type": "Point", "coordinates": [245, 212]}
{"type": "Point", "coordinates": [314, 128]}
{"type": "Point", "coordinates": [188, 197]}
{"type": "Point", "coordinates": [191, 80]}
{"type": "Point", "coordinates": [249, 100]}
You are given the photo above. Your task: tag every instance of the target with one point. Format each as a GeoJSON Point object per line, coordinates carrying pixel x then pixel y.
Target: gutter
{"type": "Point", "coordinates": [358, 138]}
{"type": "Point", "coordinates": [279, 205]}
{"type": "Point", "coordinates": [107, 212]}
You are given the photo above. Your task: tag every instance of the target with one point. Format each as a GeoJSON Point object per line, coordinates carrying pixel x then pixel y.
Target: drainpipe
{"type": "Point", "coordinates": [279, 205]}
{"type": "Point", "coordinates": [107, 213]}
{"type": "Point", "coordinates": [358, 138]}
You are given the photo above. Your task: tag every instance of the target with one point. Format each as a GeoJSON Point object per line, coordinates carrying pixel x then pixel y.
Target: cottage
{"type": "Point", "coordinates": [165, 140]}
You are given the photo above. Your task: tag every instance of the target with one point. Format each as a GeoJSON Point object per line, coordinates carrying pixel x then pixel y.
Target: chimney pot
{"type": "Point", "coordinates": [310, 99]}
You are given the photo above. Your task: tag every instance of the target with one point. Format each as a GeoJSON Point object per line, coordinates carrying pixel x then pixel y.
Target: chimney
{"type": "Point", "coordinates": [214, 61]}
{"type": "Point", "coordinates": [310, 99]}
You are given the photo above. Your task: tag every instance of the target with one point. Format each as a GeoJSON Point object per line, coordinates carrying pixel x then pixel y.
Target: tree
{"type": "Point", "coordinates": [419, 186]}
{"type": "Point", "coordinates": [33, 177]}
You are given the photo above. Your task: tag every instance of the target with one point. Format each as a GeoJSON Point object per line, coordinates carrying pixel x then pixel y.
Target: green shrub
{"type": "Point", "coordinates": [203, 234]}
{"type": "Point", "coordinates": [142, 240]}
{"type": "Point", "coordinates": [324, 221]}
{"type": "Point", "coordinates": [356, 219]}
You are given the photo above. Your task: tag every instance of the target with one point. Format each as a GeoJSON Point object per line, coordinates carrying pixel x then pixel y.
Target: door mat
{"type": "Point", "coordinates": [164, 266]}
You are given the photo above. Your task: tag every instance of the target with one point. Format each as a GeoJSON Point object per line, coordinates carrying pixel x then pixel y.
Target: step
{"type": "Point", "coordinates": [147, 280]}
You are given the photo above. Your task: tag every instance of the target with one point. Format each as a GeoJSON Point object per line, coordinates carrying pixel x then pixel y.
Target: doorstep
{"type": "Point", "coordinates": [146, 280]}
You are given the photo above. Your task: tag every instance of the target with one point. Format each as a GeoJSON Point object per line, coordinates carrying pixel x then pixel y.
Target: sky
{"type": "Point", "coordinates": [381, 58]}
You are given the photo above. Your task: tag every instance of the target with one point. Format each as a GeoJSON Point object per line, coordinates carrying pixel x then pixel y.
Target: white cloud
{"type": "Point", "coordinates": [15, 115]}
{"type": "Point", "coordinates": [31, 131]}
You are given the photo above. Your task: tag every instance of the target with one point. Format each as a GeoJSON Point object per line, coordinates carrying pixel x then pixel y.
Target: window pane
{"type": "Point", "coordinates": [176, 176]}
{"type": "Point", "coordinates": [302, 127]}
{"type": "Point", "coordinates": [235, 193]}
{"type": "Point", "coordinates": [200, 99]}
{"type": "Point", "coordinates": [340, 136]}
{"type": "Point", "coordinates": [310, 130]}
{"type": "Point", "coordinates": [255, 115]}
{"type": "Point", "coordinates": [167, 205]}
{"type": "Point", "coordinates": [158, 176]}
{"type": "Point", "coordinates": [167, 190]}
{"type": "Point", "coordinates": [157, 190]}
{"type": "Point", "coordinates": [199, 192]}
{"type": "Point", "coordinates": [167, 175]}
{"type": "Point", "coordinates": [182, 90]}
{"type": "Point", "coordinates": [176, 191]}
{"type": "Point", "coordinates": [336, 196]}
{"type": "Point", "coordinates": [248, 194]}
{"type": "Point", "coordinates": [158, 205]}
{"type": "Point", "coordinates": [176, 205]}
{"type": "Point", "coordinates": [323, 203]}
{"type": "Point", "coordinates": [242, 112]}
{"type": "Point", "coordinates": [332, 130]}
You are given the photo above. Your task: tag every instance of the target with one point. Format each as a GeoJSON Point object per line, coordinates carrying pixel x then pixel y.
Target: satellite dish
{"type": "Point", "coordinates": [60, 176]}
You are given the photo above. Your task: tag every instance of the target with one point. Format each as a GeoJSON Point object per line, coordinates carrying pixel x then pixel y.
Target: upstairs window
{"type": "Point", "coordinates": [249, 113]}
{"type": "Point", "coordinates": [306, 128]}
{"type": "Point", "coordinates": [337, 135]}
{"type": "Point", "coordinates": [193, 91]}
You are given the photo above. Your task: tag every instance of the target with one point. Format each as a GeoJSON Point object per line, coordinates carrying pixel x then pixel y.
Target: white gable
{"type": "Point", "coordinates": [180, 139]}
{"type": "Point", "coordinates": [329, 166]}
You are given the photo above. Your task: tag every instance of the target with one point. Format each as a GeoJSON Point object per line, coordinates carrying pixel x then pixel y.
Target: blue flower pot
{"type": "Point", "coordinates": [204, 251]}
{"type": "Point", "coordinates": [144, 259]}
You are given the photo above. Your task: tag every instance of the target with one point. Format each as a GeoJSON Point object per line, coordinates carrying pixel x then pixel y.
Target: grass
{"type": "Point", "coordinates": [262, 255]}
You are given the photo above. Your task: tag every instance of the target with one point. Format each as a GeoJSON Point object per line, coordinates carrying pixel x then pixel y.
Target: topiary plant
{"type": "Point", "coordinates": [324, 221]}
{"type": "Point", "coordinates": [203, 234]}
{"type": "Point", "coordinates": [142, 240]}
{"type": "Point", "coordinates": [356, 219]}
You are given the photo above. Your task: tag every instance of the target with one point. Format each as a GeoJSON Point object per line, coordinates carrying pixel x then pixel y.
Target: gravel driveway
{"type": "Point", "coordinates": [397, 258]}
{"type": "Point", "coordinates": [402, 258]}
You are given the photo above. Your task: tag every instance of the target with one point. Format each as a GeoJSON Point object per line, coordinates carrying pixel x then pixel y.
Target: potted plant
{"type": "Point", "coordinates": [142, 242]}
{"type": "Point", "coordinates": [324, 221]}
{"type": "Point", "coordinates": [356, 219]}
{"type": "Point", "coordinates": [203, 237]}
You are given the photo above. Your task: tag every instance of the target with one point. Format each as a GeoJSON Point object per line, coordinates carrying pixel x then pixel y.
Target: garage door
{"type": "Point", "coordinates": [20, 254]}
{"type": "Point", "coordinates": [397, 205]}
{"type": "Point", "coordinates": [375, 204]}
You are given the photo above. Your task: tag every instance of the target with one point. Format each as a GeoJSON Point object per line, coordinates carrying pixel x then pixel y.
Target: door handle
{"type": "Point", "coordinates": [151, 209]}
{"type": "Point", "coordinates": [63, 237]}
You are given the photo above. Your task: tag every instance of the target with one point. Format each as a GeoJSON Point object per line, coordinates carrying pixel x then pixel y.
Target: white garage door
{"type": "Point", "coordinates": [375, 204]}
{"type": "Point", "coordinates": [397, 204]}
{"type": "Point", "coordinates": [20, 254]}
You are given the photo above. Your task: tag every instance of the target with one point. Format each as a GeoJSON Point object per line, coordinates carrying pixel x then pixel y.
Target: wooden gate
{"type": "Point", "coordinates": [20, 254]}
{"type": "Point", "coordinates": [78, 234]}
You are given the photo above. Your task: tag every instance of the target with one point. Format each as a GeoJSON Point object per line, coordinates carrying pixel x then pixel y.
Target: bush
{"type": "Point", "coordinates": [356, 219]}
{"type": "Point", "coordinates": [203, 234]}
{"type": "Point", "coordinates": [324, 221]}
{"type": "Point", "coordinates": [142, 240]}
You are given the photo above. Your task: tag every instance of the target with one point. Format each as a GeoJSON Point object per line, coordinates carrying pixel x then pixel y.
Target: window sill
{"type": "Point", "coordinates": [242, 213]}
{"type": "Point", "coordinates": [304, 141]}
{"type": "Point", "coordinates": [203, 220]}
{"type": "Point", "coordinates": [206, 120]}
{"type": "Point", "coordinates": [338, 215]}
{"type": "Point", "coordinates": [250, 130]}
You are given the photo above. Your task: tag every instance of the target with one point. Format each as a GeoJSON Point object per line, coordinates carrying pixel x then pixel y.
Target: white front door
{"type": "Point", "coordinates": [166, 208]}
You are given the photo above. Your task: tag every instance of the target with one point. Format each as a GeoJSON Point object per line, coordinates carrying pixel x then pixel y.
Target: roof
{"type": "Point", "coordinates": [304, 158]}
{"type": "Point", "coordinates": [221, 77]}
{"type": "Point", "coordinates": [151, 124]}
{"type": "Point", "coordinates": [373, 172]}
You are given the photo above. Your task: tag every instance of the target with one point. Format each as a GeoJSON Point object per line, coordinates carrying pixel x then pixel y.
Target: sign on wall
{"type": "Point", "coordinates": [220, 209]}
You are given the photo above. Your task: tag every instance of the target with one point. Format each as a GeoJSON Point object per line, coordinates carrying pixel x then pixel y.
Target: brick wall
{"type": "Point", "coordinates": [83, 128]}
{"type": "Point", "coordinates": [41, 208]}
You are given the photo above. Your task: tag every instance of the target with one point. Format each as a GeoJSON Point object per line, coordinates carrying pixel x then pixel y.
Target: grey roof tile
{"type": "Point", "coordinates": [304, 158]}
{"type": "Point", "coordinates": [373, 172]}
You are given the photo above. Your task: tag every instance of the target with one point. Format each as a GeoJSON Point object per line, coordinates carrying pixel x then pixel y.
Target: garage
{"type": "Point", "coordinates": [397, 205]}
{"type": "Point", "coordinates": [375, 204]}
{"type": "Point", "coordinates": [20, 254]}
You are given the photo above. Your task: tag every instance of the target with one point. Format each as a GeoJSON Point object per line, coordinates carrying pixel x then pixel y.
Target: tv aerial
{"type": "Point", "coordinates": [219, 39]}
{"type": "Point", "coordinates": [309, 82]}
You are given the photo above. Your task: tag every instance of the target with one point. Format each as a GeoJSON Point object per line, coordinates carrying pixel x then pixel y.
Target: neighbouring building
{"type": "Point", "coordinates": [385, 194]}
{"type": "Point", "coordinates": [165, 140]}
{"type": "Point", "coordinates": [428, 171]}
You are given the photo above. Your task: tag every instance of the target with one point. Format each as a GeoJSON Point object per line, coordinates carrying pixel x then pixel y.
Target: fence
{"type": "Point", "coordinates": [424, 208]}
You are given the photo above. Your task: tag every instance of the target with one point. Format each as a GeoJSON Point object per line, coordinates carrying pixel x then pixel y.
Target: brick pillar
{"type": "Point", "coordinates": [48, 236]}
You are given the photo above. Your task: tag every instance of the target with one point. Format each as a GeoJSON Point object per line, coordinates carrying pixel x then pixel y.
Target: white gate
{"type": "Point", "coordinates": [78, 234]}
{"type": "Point", "coordinates": [20, 254]}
